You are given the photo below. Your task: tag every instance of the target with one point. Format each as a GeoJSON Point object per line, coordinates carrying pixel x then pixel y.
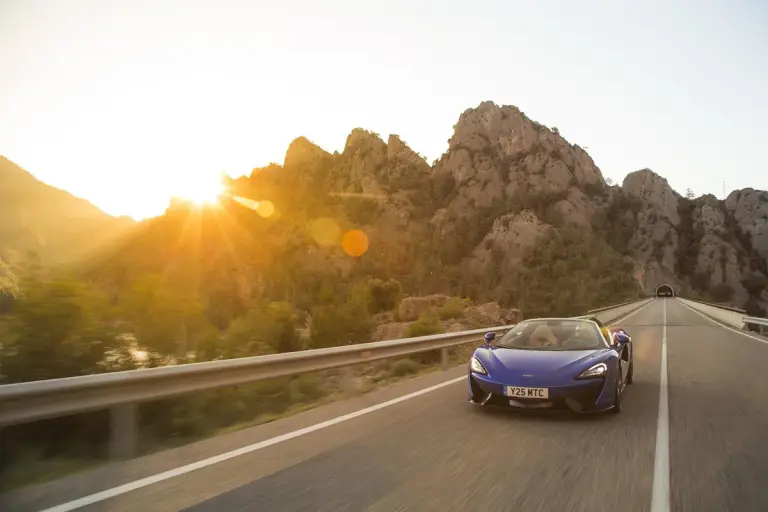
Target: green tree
{"type": "Point", "coordinates": [265, 329]}
{"type": "Point", "coordinates": [165, 321]}
{"type": "Point", "coordinates": [385, 295]}
{"type": "Point", "coordinates": [58, 329]}
{"type": "Point", "coordinates": [345, 324]}
{"type": "Point", "coordinates": [570, 271]}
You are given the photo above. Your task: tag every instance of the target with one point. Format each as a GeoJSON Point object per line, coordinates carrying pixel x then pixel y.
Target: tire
{"type": "Point", "coordinates": [617, 401]}
{"type": "Point", "coordinates": [630, 372]}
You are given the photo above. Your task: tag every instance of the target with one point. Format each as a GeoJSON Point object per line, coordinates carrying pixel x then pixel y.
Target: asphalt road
{"type": "Point", "coordinates": [437, 452]}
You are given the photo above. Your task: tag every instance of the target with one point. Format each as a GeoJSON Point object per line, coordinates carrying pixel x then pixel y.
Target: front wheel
{"type": "Point", "coordinates": [617, 400]}
{"type": "Point", "coordinates": [630, 372]}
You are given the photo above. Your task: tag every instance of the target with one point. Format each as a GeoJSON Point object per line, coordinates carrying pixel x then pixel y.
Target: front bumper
{"type": "Point", "coordinates": [589, 395]}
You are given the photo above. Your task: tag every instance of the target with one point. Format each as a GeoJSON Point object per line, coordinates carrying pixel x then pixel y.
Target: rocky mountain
{"type": "Point", "coordinates": [715, 249]}
{"type": "Point", "coordinates": [512, 212]}
{"type": "Point", "coordinates": [43, 225]}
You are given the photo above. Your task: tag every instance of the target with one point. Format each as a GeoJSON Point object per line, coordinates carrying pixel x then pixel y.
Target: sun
{"type": "Point", "coordinates": [202, 191]}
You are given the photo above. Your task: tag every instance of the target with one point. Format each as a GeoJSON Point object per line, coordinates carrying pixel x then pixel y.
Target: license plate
{"type": "Point", "coordinates": [518, 392]}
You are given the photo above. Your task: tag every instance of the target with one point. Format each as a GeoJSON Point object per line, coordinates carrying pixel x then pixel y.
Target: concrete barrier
{"type": "Point", "coordinates": [731, 317]}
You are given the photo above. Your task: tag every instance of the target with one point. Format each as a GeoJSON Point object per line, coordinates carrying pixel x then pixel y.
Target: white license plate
{"type": "Point", "coordinates": [517, 392]}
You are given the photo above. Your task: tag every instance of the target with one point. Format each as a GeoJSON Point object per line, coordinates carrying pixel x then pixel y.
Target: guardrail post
{"type": "Point", "coordinates": [444, 358]}
{"type": "Point", "coordinates": [123, 431]}
{"type": "Point", "coordinates": [347, 381]}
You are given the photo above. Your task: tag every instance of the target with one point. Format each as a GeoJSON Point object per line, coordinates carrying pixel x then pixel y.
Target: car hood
{"type": "Point", "coordinates": [509, 362]}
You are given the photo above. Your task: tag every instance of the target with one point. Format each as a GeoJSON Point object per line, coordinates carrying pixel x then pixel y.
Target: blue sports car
{"type": "Point", "coordinates": [553, 363]}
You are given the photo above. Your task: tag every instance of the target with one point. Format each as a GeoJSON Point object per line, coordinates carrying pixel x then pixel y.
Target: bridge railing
{"type": "Point", "coordinates": [734, 317]}
{"type": "Point", "coordinates": [121, 392]}
{"type": "Point", "coordinates": [761, 323]}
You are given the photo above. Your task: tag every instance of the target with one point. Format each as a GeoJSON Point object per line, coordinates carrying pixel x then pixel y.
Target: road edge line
{"type": "Point", "coordinates": [613, 323]}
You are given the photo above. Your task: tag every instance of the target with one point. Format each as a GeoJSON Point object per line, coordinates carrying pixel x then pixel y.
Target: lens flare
{"type": "Point", "coordinates": [266, 208]}
{"type": "Point", "coordinates": [325, 231]}
{"type": "Point", "coordinates": [355, 242]}
{"type": "Point", "coordinates": [247, 202]}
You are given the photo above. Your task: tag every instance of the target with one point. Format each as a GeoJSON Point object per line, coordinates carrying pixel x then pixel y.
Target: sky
{"type": "Point", "coordinates": [127, 102]}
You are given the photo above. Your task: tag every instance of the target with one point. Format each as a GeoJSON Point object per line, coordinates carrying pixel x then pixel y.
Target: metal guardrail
{"type": "Point", "coordinates": [761, 323]}
{"type": "Point", "coordinates": [755, 320]}
{"type": "Point", "coordinates": [121, 392]}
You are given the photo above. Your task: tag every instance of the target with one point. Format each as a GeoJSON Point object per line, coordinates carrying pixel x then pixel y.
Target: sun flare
{"type": "Point", "coordinates": [201, 191]}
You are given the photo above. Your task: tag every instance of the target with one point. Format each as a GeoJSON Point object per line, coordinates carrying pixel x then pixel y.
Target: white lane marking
{"type": "Point", "coordinates": [722, 324]}
{"type": "Point", "coordinates": [144, 482]}
{"type": "Point", "coordinates": [660, 493]}
{"type": "Point", "coordinates": [632, 313]}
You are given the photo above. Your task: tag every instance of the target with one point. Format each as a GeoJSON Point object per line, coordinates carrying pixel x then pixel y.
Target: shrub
{"type": "Point", "coordinates": [454, 308]}
{"type": "Point", "coordinates": [306, 388]}
{"type": "Point", "coordinates": [339, 325]}
{"type": "Point", "coordinates": [428, 323]}
{"type": "Point", "coordinates": [385, 295]}
{"type": "Point", "coordinates": [403, 367]}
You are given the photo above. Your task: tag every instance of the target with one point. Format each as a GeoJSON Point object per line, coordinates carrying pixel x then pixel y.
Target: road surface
{"type": "Point", "coordinates": [436, 452]}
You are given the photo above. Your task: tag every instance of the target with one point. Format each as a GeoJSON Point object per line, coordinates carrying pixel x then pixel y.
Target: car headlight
{"type": "Point", "coordinates": [476, 366]}
{"type": "Point", "coordinates": [597, 370]}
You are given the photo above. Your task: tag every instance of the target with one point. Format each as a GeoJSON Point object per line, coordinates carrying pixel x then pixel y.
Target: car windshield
{"type": "Point", "coordinates": [553, 334]}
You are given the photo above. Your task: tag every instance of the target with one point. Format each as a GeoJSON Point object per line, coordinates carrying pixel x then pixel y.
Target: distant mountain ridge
{"type": "Point", "coordinates": [511, 212]}
{"type": "Point", "coordinates": [43, 223]}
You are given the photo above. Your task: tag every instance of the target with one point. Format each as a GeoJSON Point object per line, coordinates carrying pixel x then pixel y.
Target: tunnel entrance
{"type": "Point", "coordinates": [664, 290]}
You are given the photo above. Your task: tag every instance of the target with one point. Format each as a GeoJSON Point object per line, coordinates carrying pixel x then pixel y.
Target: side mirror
{"type": "Point", "coordinates": [489, 337]}
{"type": "Point", "coordinates": [618, 340]}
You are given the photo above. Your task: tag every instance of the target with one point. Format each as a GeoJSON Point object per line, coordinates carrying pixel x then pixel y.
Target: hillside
{"type": "Point", "coordinates": [43, 225]}
{"type": "Point", "coordinates": [512, 212]}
